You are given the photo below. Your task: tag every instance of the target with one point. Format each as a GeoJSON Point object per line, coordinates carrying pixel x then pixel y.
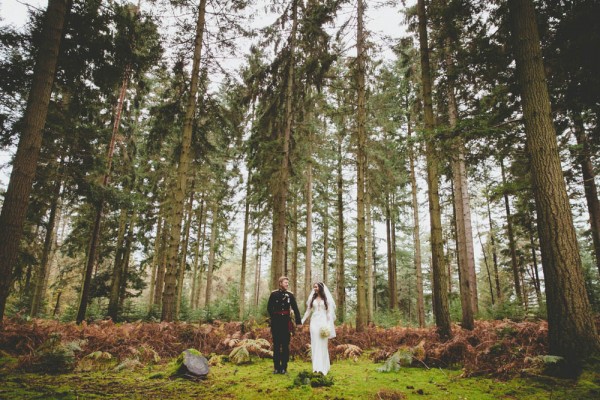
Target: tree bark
{"type": "Point", "coordinates": [370, 260]}
{"type": "Point", "coordinates": [282, 185]}
{"type": "Point", "coordinates": [204, 220]}
{"type": "Point", "coordinates": [155, 259]}
{"type": "Point", "coordinates": [390, 255]}
{"type": "Point", "coordinates": [294, 269]}
{"type": "Point", "coordinates": [493, 241]}
{"type": "Point", "coordinates": [184, 251]}
{"type": "Point", "coordinates": [162, 263]}
{"type": "Point", "coordinates": [340, 281]}
{"type": "Point", "coordinates": [127, 259]}
{"type": "Point", "coordinates": [41, 278]}
{"type": "Point", "coordinates": [211, 253]}
{"type": "Point", "coordinates": [440, 290]}
{"type": "Point", "coordinates": [326, 237]}
{"type": "Point", "coordinates": [535, 276]}
{"type": "Point", "coordinates": [16, 199]}
{"type": "Point", "coordinates": [257, 268]}
{"type": "Point", "coordinates": [487, 268]}
{"type": "Point", "coordinates": [242, 300]}
{"type": "Point", "coordinates": [361, 160]}
{"type": "Point", "coordinates": [511, 240]}
{"type": "Point", "coordinates": [309, 209]}
{"type": "Point", "coordinates": [394, 253]}
{"type": "Point", "coordinates": [416, 232]}
{"type": "Point", "coordinates": [117, 273]}
{"type": "Point", "coordinates": [571, 330]}
{"type": "Point", "coordinates": [589, 183]}
{"type": "Point", "coordinates": [195, 270]}
{"type": "Point", "coordinates": [181, 181]}
{"type": "Point", "coordinates": [462, 206]}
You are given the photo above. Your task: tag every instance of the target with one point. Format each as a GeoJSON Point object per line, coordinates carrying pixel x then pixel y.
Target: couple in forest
{"type": "Point", "coordinates": [320, 307]}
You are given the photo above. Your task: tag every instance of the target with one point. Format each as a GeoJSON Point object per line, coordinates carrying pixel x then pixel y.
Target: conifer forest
{"type": "Point", "coordinates": [434, 162]}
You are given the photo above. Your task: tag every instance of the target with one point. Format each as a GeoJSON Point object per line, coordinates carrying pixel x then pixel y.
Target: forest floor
{"type": "Point", "coordinates": [351, 380]}
{"type": "Point", "coordinates": [45, 359]}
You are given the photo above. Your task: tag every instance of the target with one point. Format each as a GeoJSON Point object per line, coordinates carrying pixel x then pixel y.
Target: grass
{"type": "Point", "coordinates": [352, 380]}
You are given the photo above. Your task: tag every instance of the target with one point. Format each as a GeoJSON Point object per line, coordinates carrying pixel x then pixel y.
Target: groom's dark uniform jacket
{"type": "Point", "coordinates": [281, 302]}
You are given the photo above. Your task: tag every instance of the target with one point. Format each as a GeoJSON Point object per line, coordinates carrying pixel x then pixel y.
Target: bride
{"type": "Point", "coordinates": [322, 307]}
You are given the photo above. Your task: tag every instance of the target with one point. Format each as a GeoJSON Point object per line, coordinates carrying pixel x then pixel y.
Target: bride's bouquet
{"type": "Point", "coordinates": [324, 332]}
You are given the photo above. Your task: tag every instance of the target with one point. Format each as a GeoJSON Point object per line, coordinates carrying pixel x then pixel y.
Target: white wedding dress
{"type": "Point", "coordinates": [320, 318]}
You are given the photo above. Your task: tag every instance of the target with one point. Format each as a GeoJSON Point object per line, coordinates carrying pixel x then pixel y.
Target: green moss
{"type": "Point", "coordinates": [7, 362]}
{"type": "Point", "coordinates": [353, 380]}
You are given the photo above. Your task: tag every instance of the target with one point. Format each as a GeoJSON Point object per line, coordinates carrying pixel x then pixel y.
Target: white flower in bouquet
{"type": "Point", "coordinates": [325, 332]}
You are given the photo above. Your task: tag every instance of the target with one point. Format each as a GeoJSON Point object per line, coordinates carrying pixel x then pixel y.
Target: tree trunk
{"type": "Point", "coordinates": [465, 255]}
{"type": "Point", "coordinates": [41, 278]}
{"type": "Point", "coordinates": [394, 253]}
{"type": "Point", "coordinates": [487, 267]}
{"type": "Point", "coordinates": [127, 259]}
{"type": "Point", "coordinates": [181, 181]}
{"type": "Point", "coordinates": [589, 183]}
{"type": "Point", "coordinates": [390, 254]}
{"type": "Point", "coordinates": [462, 206]}
{"type": "Point", "coordinates": [308, 268]}
{"type": "Point", "coordinates": [326, 238]}
{"type": "Point", "coordinates": [340, 281]}
{"type": "Point", "coordinates": [294, 270]}
{"type": "Point", "coordinates": [493, 241]}
{"type": "Point", "coordinates": [416, 231]}
{"type": "Point", "coordinates": [162, 263]}
{"type": "Point", "coordinates": [370, 259]}
{"type": "Point", "coordinates": [16, 199]}
{"type": "Point", "coordinates": [361, 160]}
{"type": "Point", "coordinates": [195, 284]}
{"type": "Point", "coordinates": [155, 259]}
{"type": "Point", "coordinates": [57, 303]}
{"type": "Point", "coordinates": [202, 265]}
{"type": "Point", "coordinates": [286, 251]}
{"type": "Point", "coordinates": [571, 330]}
{"type": "Point", "coordinates": [462, 215]}
{"type": "Point", "coordinates": [440, 290]}
{"type": "Point", "coordinates": [117, 273]}
{"type": "Point", "coordinates": [211, 253]}
{"type": "Point", "coordinates": [511, 240]}
{"type": "Point", "coordinates": [535, 276]}
{"type": "Point", "coordinates": [282, 185]}
{"type": "Point", "coordinates": [184, 250]}
{"type": "Point", "coordinates": [257, 271]}
{"type": "Point", "coordinates": [245, 250]}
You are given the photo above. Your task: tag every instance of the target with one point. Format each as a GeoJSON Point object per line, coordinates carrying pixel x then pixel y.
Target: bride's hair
{"type": "Point", "coordinates": [321, 293]}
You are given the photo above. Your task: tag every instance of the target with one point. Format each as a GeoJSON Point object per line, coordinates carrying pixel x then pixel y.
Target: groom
{"type": "Point", "coordinates": [278, 307]}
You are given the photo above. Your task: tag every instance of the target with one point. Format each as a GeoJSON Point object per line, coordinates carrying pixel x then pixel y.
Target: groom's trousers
{"type": "Point", "coordinates": [281, 342]}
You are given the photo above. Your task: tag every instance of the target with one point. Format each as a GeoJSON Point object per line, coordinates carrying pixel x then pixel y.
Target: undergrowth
{"type": "Point", "coordinates": [501, 349]}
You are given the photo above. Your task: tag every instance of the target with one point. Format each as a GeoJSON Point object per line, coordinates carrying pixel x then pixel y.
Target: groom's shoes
{"type": "Point", "coordinates": [275, 371]}
{"type": "Point", "coordinates": [283, 372]}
